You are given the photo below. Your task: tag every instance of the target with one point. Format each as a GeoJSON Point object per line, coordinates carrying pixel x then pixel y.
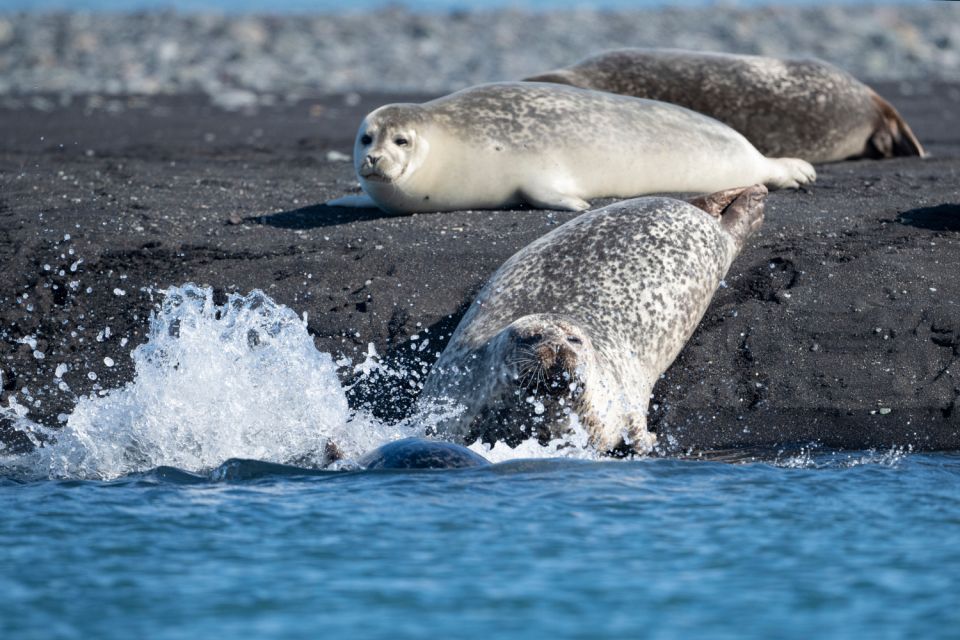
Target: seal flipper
{"type": "Point", "coordinates": [893, 136]}
{"type": "Point", "coordinates": [546, 198]}
{"type": "Point", "coordinates": [740, 210]}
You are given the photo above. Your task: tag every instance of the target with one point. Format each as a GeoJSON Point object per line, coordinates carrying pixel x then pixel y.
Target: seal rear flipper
{"type": "Point", "coordinates": [717, 202]}
{"type": "Point", "coordinates": [892, 136]}
{"type": "Point", "coordinates": [740, 210]}
{"type": "Point", "coordinates": [790, 173]}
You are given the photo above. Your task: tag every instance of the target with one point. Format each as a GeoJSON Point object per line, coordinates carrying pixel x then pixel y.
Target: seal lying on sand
{"type": "Point", "coordinates": [418, 453]}
{"type": "Point", "coordinates": [583, 321]}
{"type": "Point", "coordinates": [801, 108]}
{"type": "Point", "coordinates": [548, 146]}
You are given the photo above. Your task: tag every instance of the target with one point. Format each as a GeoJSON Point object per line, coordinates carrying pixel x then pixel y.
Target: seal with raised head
{"type": "Point", "coordinates": [580, 324]}
{"type": "Point", "coordinates": [802, 108]}
{"type": "Point", "coordinates": [548, 146]}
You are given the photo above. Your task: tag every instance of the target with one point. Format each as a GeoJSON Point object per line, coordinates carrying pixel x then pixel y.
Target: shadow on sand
{"type": "Point", "coordinates": [944, 217]}
{"type": "Point", "coordinates": [317, 215]}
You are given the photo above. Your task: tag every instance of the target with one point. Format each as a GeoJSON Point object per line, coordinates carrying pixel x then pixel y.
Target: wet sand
{"type": "Point", "coordinates": [839, 324]}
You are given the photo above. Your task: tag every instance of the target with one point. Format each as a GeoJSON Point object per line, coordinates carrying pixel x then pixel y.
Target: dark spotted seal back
{"type": "Point", "coordinates": [419, 453]}
{"type": "Point", "coordinates": [802, 108]}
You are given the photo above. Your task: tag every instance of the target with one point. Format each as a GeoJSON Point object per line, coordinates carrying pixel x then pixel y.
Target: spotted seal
{"type": "Point", "coordinates": [583, 321]}
{"type": "Point", "coordinates": [548, 146]}
{"type": "Point", "coordinates": [802, 108]}
{"type": "Point", "coordinates": [420, 453]}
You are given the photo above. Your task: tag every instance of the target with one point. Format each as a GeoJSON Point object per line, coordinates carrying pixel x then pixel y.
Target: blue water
{"type": "Point", "coordinates": [851, 545]}
{"type": "Point", "coordinates": [309, 6]}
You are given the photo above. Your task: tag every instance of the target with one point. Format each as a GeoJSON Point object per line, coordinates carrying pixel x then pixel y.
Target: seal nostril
{"type": "Point", "coordinates": [372, 160]}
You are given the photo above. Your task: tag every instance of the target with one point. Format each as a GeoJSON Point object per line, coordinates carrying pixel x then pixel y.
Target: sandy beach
{"type": "Point", "coordinates": [837, 325]}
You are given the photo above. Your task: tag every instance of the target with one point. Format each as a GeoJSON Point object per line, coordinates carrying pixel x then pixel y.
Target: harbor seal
{"type": "Point", "coordinates": [803, 108]}
{"type": "Point", "coordinates": [548, 146]}
{"type": "Point", "coordinates": [419, 453]}
{"type": "Point", "coordinates": [582, 322]}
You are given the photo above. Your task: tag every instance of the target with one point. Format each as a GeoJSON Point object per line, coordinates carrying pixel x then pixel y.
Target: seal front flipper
{"type": "Point", "coordinates": [354, 202]}
{"type": "Point", "coordinates": [547, 198]}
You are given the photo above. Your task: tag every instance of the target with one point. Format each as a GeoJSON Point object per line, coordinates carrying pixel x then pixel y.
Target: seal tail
{"type": "Point", "coordinates": [893, 136]}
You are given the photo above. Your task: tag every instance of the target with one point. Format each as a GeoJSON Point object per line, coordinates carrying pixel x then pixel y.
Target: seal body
{"type": "Point", "coordinates": [580, 324]}
{"type": "Point", "coordinates": [549, 146]}
{"type": "Point", "coordinates": [419, 453]}
{"type": "Point", "coordinates": [802, 108]}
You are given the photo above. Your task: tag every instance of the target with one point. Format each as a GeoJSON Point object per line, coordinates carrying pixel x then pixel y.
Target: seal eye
{"type": "Point", "coordinates": [401, 142]}
{"type": "Point", "coordinates": [366, 139]}
{"type": "Point", "coordinates": [574, 340]}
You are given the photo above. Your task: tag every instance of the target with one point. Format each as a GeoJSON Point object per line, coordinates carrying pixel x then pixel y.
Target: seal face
{"type": "Point", "coordinates": [418, 453]}
{"type": "Point", "coordinates": [549, 146]}
{"type": "Point", "coordinates": [580, 324]}
{"type": "Point", "coordinates": [802, 108]}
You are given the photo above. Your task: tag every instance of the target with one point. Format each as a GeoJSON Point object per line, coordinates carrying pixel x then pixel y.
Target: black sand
{"type": "Point", "coordinates": [839, 324]}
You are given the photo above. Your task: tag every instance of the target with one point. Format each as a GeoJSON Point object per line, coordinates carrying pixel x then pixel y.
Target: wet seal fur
{"type": "Point", "coordinates": [583, 321]}
{"type": "Point", "coordinates": [419, 453]}
{"type": "Point", "coordinates": [548, 146]}
{"type": "Point", "coordinates": [803, 108]}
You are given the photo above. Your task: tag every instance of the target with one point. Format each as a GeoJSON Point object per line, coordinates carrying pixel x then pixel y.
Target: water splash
{"type": "Point", "coordinates": [212, 382]}
{"type": "Point", "coordinates": [216, 382]}
{"type": "Point", "coordinates": [574, 444]}
{"type": "Point", "coordinates": [811, 457]}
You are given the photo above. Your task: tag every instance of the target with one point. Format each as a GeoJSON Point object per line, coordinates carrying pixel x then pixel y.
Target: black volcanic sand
{"type": "Point", "coordinates": [839, 324]}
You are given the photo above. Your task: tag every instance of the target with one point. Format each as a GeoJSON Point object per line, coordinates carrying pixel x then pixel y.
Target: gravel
{"type": "Point", "coordinates": [245, 61]}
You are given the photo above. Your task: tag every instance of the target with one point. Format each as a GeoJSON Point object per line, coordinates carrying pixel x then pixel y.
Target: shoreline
{"type": "Point", "coordinates": [239, 59]}
{"type": "Point", "coordinates": [842, 307]}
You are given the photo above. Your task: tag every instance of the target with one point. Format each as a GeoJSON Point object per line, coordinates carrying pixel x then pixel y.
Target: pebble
{"type": "Point", "coordinates": [242, 61]}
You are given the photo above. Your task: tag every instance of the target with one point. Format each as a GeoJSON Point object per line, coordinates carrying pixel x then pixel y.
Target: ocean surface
{"type": "Point", "coordinates": [829, 546]}
{"type": "Point", "coordinates": [339, 6]}
{"type": "Point", "coordinates": [191, 503]}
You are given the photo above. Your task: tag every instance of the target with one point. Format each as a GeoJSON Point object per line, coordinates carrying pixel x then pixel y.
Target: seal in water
{"type": "Point", "coordinates": [548, 146]}
{"type": "Point", "coordinates": [418, 453]}
{"type": "Point", "coordinates": [582, 322]}
{"type": "Point", "coordinates": [802, 108]}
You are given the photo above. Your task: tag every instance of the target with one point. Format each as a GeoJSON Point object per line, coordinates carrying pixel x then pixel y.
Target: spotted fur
{"type": "Point", "coordinates": [585, 319]}
{"type": "Point", "coordinates": [802, 108]}
{"type": "Point", "coordinates": [549, 146]}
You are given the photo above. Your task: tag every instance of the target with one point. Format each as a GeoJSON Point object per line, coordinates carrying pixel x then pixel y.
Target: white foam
{"type": "Point", "coordinates": [240, 380]}
{"type": "Point", "coordinates": [576, 444]}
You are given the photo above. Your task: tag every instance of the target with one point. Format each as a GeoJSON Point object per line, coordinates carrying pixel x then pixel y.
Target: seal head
{"type": "Point", "coordinates": [419, 453]}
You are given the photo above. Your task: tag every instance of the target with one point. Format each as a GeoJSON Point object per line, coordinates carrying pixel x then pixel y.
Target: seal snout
{"type": "Point", "coordinates": [546, 357]}
{"type": "Point", "coordinates": [370, 170]}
